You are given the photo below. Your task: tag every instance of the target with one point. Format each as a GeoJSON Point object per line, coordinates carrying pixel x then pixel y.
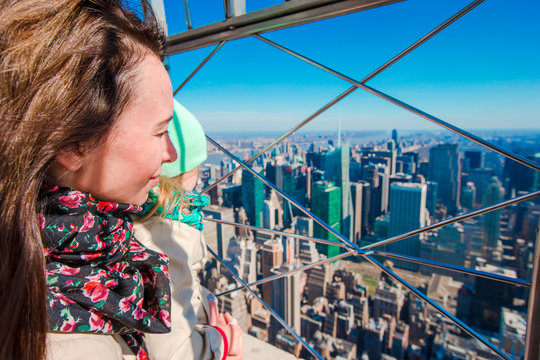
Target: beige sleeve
{"type": "Point", "coordinates": [204, 343]}
{"type": "Point", "coordinates": [67, 346]}
{"type": "Point", "coordinates": [188, 338]}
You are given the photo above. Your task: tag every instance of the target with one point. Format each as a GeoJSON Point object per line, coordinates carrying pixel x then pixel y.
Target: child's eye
{"type": "Point", "coordinates": [163, 133]}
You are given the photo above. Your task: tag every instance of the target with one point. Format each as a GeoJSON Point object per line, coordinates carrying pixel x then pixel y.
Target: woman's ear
{"type": "Point", "coordinates": [70, 159]}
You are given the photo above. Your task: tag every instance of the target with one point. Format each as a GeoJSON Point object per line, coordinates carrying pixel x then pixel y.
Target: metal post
{"type": "Point", "coordinates": [227, 7]}
{"type": "Point", "coordinates": [532, 339]}
{"type": "Point", "coordinates": [188, 15]}
{"type": "Point", "coordinates": [271, 18]}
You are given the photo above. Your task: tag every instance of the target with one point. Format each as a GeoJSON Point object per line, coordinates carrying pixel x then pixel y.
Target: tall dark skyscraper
{"type": "Point", "coordinates": [231, 194]}
{"type": "Point", "coordinates": [253, 197]}
{"type": "Point", "coordinates": [445, 169]}
{"type": "Point", "coordinates": [274, 173]}
{"type": "Point", "coordinates": [326, 204]}
{"type": "Point", "coordinates": [480, 178]}
{"type": "Point", "coordinates": [407, 212]}
{"type": "Point", "coordinates": [395, 137]}
{"type": "Point", "coordinates": [431, 200]}
{"type": "Point", "coordinates": [468, 195]}
{"type": "Point", "coordinates": [295, 185]}
{"type": "Point", "coordinates": [520, 177]}
{"type": "Point", "coordinates": [355, 170]}
{"type": "Point", "coordinates": [474, 159]}
{"type": "Point", "coordinates": [316, 159]}
{"type": "Point", "coordinates": [377, 176]}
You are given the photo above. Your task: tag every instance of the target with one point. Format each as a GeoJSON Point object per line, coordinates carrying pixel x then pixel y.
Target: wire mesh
{"type": "Point", "coordinates": [366, 252]}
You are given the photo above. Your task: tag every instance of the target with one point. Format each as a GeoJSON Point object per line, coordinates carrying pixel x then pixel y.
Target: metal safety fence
{"type": "Point", "coordinates": [254, 26]}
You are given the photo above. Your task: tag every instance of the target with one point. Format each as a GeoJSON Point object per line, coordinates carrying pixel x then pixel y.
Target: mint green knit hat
{"type": "Point", "coordinates": [187, 136]}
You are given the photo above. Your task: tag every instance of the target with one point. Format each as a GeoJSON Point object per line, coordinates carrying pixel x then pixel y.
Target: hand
{"type": "Point", "coordinates": [229, 325]}
{"type": "Point", "coordinates": [234, 334]}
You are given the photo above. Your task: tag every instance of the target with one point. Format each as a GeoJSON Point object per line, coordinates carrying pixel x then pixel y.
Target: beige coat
{"type": "Point", "coordinates": [188, 339]}
{"type": "Point", "coordinates": [186, 249]}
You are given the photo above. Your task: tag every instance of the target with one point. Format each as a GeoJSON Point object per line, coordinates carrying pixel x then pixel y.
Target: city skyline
{"type": "Point", "coordinates": [395, 190]}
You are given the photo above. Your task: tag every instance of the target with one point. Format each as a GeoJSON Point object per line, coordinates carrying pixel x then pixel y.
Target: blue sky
{"type": "Point", "coordinates": [481, 72]}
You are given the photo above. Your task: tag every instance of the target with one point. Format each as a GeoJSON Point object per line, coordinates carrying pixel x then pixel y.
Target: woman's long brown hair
{"type": "Point", "coordinates": [66, 68]}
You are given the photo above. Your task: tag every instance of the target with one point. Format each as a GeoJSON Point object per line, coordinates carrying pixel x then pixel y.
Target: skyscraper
{"type": "Point", "coordinates": [520, 177]}
{"type": "Point", "coordinates": [491, 222]}
{"type": "Point", "coordinates": [468, 195]}
{"type": "Point", "coordinates": [474, 159]}
{"type": "Point", "coordinates": [490, 297]}
{"type": "Point", "coordinates": [395, 137]}
{"type": "Point", "coordinates": [219, 233]}
{"type": "Point", "coordinates": [384, 184]}
{"type": "Point", "coordinates": [337, 170]}
{"type": "Point", "coordinates": [231, 194]}
{"type": "Point", "coordinates": [377, 176]}
{"type": "Point", "coordinates": [253, 197]}
{"type": "Point", "coordinates": [274, 173]}
{"type": "Point", "coordinates": [318, 279]}
{"type": "Point", "coordinates": [307, 251]}
{"type": "Point", "coordinates": [451, 247]}
{"type": "Point", "coordinates": [271, 257]}
{"type": "Point", "coordinates": [243, 257]}
{"type": "Point", "coordinates": [392, 149]}
{"type": "Point", "coordinates": [235, 304]}
{"type": "Point", "coordinates": [357, 190]}
{"type": "Point", "coordinates": [431, 197]}
{"type": "Point", "coordinates": [272, 212]}
{"type": "Point", "coordinates": [445, 169]}
{"type": "Point", "coordinates": [407, 212]}
{"type": "Point", "coordinates": [326, 204]}
{"type": "Point", "coordinates": [294, 185]}
{"type": "Point", "coordinates": [480, 178]}
{"type": "Point", "coordinates": [286, 296]}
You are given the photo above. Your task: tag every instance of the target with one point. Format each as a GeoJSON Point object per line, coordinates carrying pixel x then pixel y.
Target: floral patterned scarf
{"type": "Point", "coordinates": [100, 278]}
{"type": "Point", "coordinates": [190, 211]}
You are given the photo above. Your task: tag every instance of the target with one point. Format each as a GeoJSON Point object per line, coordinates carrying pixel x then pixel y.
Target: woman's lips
{"type": "Point", "coordinates": [154, 180]}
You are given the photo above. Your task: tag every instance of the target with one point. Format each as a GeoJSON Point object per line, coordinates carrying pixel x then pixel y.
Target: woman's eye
{"type": "Point", "coordinates": [163, 133]}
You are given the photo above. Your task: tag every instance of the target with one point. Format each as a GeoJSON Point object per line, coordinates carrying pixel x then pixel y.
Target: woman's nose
{"type": "Point", "coordinates": [169, 152]}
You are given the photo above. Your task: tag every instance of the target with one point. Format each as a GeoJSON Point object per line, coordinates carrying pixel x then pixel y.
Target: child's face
{"type": "Point", "coordinates": [188, 180]}
{"type": "Point", "coordinates": [127, 164]}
